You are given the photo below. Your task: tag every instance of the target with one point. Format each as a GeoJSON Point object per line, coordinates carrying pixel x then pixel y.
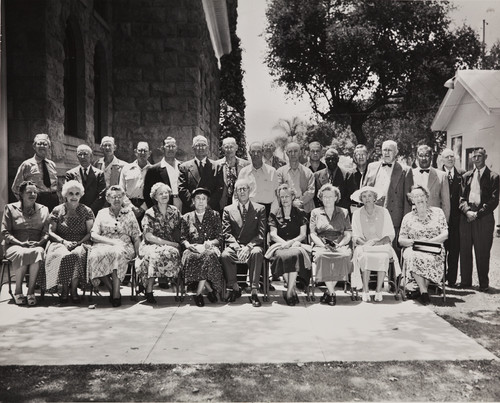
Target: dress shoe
{"type": "Point", "coordinates": [484, 289]}
{"type": "Point", "coordinates": [254, 299]}
{"type": "Point", "coordinates": [424, 298]}
{"type": "Point", "coordinates": [199, 300]}
{"type": "Point", "coordinates": [116, 302]}
{"type": "Point", "coordinates": [150, 298]}
{"type": "Point", "coordinates": [413, 294]}
{"type": "Point", "coordinates": [332, 300]}
{"type": "Point", "coordinates": [324, 298]}
{"type": "Point", "coordinates": [289, 301]}
{"type": "Point", "coordinates": [378, 297]}
{"type": "Point", "coordinates": [20, 299]}
{"type": "Point", "coordinates": [212, 296]}
{"type": "Point", "coordinates": [233, 295]}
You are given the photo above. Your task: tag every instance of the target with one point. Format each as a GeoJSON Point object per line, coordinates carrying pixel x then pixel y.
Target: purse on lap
{"type": "Point", "coordinates": [428, 247]}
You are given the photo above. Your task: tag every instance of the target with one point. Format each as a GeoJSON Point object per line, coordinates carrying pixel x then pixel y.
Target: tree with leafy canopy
{"type": "Point", "coordinates": [232, 97]}
{"type": "Point", "coordinates": [353, 58]}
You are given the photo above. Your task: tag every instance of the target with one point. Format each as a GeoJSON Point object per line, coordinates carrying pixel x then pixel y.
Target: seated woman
{"type": "Point", "coordinates": [69, 230]}
{"type": "Point", "coordinates": [25, 231]}
{"type": "Point", "coordinates": [426, 224]}
{"type": "Point", "coordinates": [201, 236]}
{"type": "Point", "coordinates": [372, 235]}
{"type": "Point", "coordinates": [288, 229]}
{"type": "Point", "coordinates": [331, 234]}
{"type": "Point", "coordinates": [160, 248]}
{"type": "Point", "coordinates": [116, 236]}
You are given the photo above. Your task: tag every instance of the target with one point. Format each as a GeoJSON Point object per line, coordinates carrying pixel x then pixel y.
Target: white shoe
{"type": "Point", "coordinates": [378, 297]}
{"type": "Point", "coordinates": [366, 297]}
{"type": "Point", "coordinates": [20, 299]}
{"type": "Point", "coordinates": [32, 300]}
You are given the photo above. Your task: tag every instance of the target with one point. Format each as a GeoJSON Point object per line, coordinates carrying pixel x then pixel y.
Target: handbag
{"type": "Point", "coordinates": [428, 247]}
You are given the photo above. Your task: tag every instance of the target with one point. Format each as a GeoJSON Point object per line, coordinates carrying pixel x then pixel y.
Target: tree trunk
{"type": "Point", "coordinates": [357, 128]}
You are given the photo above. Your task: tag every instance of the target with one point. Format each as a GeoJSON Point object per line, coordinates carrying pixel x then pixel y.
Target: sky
{"type": "Point", "coordinates": [267, 103]}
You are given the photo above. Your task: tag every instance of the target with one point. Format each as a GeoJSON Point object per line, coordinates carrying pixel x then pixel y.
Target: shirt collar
{"type": "Point", "coordinates": [203, 161]}
{"type": "Point", "coordinates": [247, 204]}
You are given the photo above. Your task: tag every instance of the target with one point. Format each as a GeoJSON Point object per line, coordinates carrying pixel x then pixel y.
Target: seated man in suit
{"type": "Point", "coordinates": [244, 230]}
{"type": "Point", "coordinates": [433, 180]}
{"type": "Point", "coordinates": [392, 182]}
{"type": "Point", "coordinates": [200, 172]}
{"type": "Point", "coordinates": [166, 171]}
{"type": "Point", "coordinates": [336, 176]}
{"type": "Point", "coordinates": [90, 177]}
{"type": "Point", "coordinates": [231, 166]}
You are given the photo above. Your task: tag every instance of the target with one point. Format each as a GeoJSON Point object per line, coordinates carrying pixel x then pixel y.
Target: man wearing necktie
{"type": "Point", "coordinates": [452, 244]}
{"type": "Point", "coordinates": [201, 172]}
{"type": "Point", "coordinates": [90, 177]}
{"type": "Point", "coordinates": [393, 182]}
{"type": "Point", "coordinates": [478, 200]}
{"type": "Point", "coordinates": [433, 180]}
{"type": "Point", "coordinates": [41, 171]}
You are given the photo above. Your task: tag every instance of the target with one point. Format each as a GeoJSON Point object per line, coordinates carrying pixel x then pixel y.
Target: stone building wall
{"type": "Point", "coordinates": [165, 74]}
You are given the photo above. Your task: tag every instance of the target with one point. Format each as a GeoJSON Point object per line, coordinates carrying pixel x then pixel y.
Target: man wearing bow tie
{"type": "Point", "coordinates": [452, 244]}
{"type": "Point", "coordinates": [478, 200]}
{"type": "Point", "coordinates": [393, 182]}
{"type": "Point", "coordinates": [433, 180]}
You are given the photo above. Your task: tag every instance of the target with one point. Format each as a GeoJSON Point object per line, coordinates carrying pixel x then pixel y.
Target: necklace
{"type": "Point", "coordinates": [29, 211]}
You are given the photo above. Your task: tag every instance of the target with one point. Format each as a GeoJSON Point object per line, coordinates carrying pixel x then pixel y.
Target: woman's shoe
{"type": "Point", "coordinates": [31, 300]}
{"type": "Point", "coordinates": [198, 299]}
{"type": "Point", "coordinates": [366, 297]}
{"type": "Point", "coordinates": [20, 299]}
{"type": "Point", "coordinates": [150, 299]}
{"type": "Point", "coordinates": [324, 298]}
{"type": "Point", "coordinates": [424, 298]}
{"type": "Point", "coordinates": [116, 302]}
{"type": "Point", "coordinates": [332, 300]}
{"type": "Point", "coordinates": [378, 297]}
{"type": "Point", "coordinates": [212, 296]}
{"type": "Point", "coordinates": [289, 301]}
{"type": "Point", "coordinates": [63, 299]}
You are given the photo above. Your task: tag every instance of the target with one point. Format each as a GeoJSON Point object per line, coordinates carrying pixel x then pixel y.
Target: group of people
{"type": "Point", "coordinates": [202, 218]}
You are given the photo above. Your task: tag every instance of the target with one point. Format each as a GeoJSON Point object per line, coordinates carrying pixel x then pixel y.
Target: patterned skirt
{"type": "Point", "coordinates": [158, 261]}
{"type": "Point", "coordinates": [103, 259]}
{"type": "Point", "coordinates": [62, 265]}
{"type": "Point", "coordinates": [203, 266]}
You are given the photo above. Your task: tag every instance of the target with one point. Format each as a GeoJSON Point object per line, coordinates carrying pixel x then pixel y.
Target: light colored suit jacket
{"type": "Point", "coordinates": [400, 185]}
{"type": "Point", "coordinates": [306, 185]}
{"type": "Point", "coordinates": [439, 191]}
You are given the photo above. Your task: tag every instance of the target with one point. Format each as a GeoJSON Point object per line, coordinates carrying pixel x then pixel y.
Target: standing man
{"type": "Point", "coordinates": [132, 179]}
{"type": "Point", "coordinates": [231, 166]}
{"type": "Point", "coordinates": [269, 147]}
{"type": "Point", "coordinates": [41, 171]}
{"type": "Point", "coordinates": [433, 180]}
{"type": "Point", "coordinates": [478, 201]}
{"type": "Point", "coordinates": [109, 164]}
{"type": "Point", "coordinates": [452, 244]}
{"type": "Point", "coordinates": [244, 228]}
{"type": "Point", "coordinates": [299, 177]}
{"type": "Point", "coordinates": [165, 171]}
{"type": "Point", "coordinates": [90, 177]}
{"type": "Point", "coordinates": [262, 178]}
{"type": "Point", "coordinates": [201, 172]}
{"type": "Point", "coordinates": [360, 157]}
{"type": "Point", "coordinates": [335, 175]}
{"type": "Point", "coordinates": [392, 182]}
{"type": "Point", "coordinates": [315, 154]}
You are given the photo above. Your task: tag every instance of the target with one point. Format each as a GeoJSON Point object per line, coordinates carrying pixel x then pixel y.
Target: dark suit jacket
{"type": "Point", "coordinates": [190, 179]}
{"type": "Point", "coordinates": [455, 189]}
{"type": "Point", "coordinates": [95, 187]}
{"type": "Point", "coordinates": [401, 182]}
{"type": "Point", "coordinates": [277, 162]}
{"type": "Point", "coordinates": [154, 175]}
{"type": "Point", "coordinates": [489, 184]}
{"type": "Point", "coordinates": [240, 163]}
{"type": "Point", "coordinates": [252, 232]}
{"type": "Point", "coordinates": [342, 179]}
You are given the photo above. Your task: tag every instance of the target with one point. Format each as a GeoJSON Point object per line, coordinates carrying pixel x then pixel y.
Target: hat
{"type": "Point", "coordinates": [41, 136]}
{"type": "Point", "coordinates": [356, 196]}
{"type": "Point", "coordinates": [203, 191]}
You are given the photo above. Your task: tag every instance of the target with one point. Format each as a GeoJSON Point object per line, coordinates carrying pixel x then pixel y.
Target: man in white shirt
{"type": "Point", "coordinates": [433, 180]}
{"type": "Point", "coordinates": [165, 171]}
{"type": "Point", "coordinates": [109, 164]}
{"type": "Point", "coordinates": [132, 179]}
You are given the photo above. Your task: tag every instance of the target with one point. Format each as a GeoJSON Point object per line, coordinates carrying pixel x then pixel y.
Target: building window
{"type": "Point", "coordinates": [74, 81]}
{"type": "Point", "coordinates": [100, 94]}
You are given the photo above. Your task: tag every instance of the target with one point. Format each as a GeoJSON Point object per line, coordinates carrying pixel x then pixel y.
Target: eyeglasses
{"type": "Point", "coordinates": [242, 189]}
{"type": "Point", "coordinates": [142, 151]}
{"type": "Point", "coordinates": [83, 154]}
{"type": "Point", "coordinates": [41, 144]}
{"type": "Point", "coordinates": [117, 197]}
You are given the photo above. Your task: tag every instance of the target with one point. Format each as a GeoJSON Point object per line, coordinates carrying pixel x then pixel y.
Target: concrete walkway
{"type": "Point", "coordinates": [173, 333]}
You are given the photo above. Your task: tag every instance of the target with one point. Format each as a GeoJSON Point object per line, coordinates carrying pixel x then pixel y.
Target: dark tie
{"type": "Point", "coordinates": [424, 170]}
{"type": "Point", "coordinates": [450, 178]}
{"type": "Point", "coordinates": [243, 212]}
{"type": "Point", "coordinates": [386, 165]}
{"type": "Point", "coordinates": [46, 176]}
{"type": "Point", "coordinates": [84, 175]}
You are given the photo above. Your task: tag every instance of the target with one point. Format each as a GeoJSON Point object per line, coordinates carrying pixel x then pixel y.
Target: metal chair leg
{"type": "Point", "coordinates": [6, 264]}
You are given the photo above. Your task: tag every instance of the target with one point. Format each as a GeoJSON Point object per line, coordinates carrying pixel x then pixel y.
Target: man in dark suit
{"type": "Point", "coordinates": [244, 229]}
{"type": "Point", "coordinates": [393, 182]}
{"type": "Point", "coordinates": [452, 244]}
{"type": "Point", "coordinates": [335, 175]}
{"type": "Point", "coordinates": [201, 172]}
{"type": "Point", "coordinates": [166, 171]}
{"type": "Point", "coordinates": [90, 177]}
{"type": "Point", "coordinates": [478, 200]}
{"type": "Point", "coordinates": [269, 157]}
{"type": "Point", "coordinates": [315, 154]}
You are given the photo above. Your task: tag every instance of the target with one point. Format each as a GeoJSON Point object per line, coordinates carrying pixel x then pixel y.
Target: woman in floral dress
{"type": "Point", "coordinates": [201, 236]}
{"type": "Point", "coordinates": [160, 247]}
{"type": "Point", "coordinates": [116, 236]}
{"type": "Point", "coordinates": [428, 224]}
{"type": "Point", "coordinates": [66, 257]}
